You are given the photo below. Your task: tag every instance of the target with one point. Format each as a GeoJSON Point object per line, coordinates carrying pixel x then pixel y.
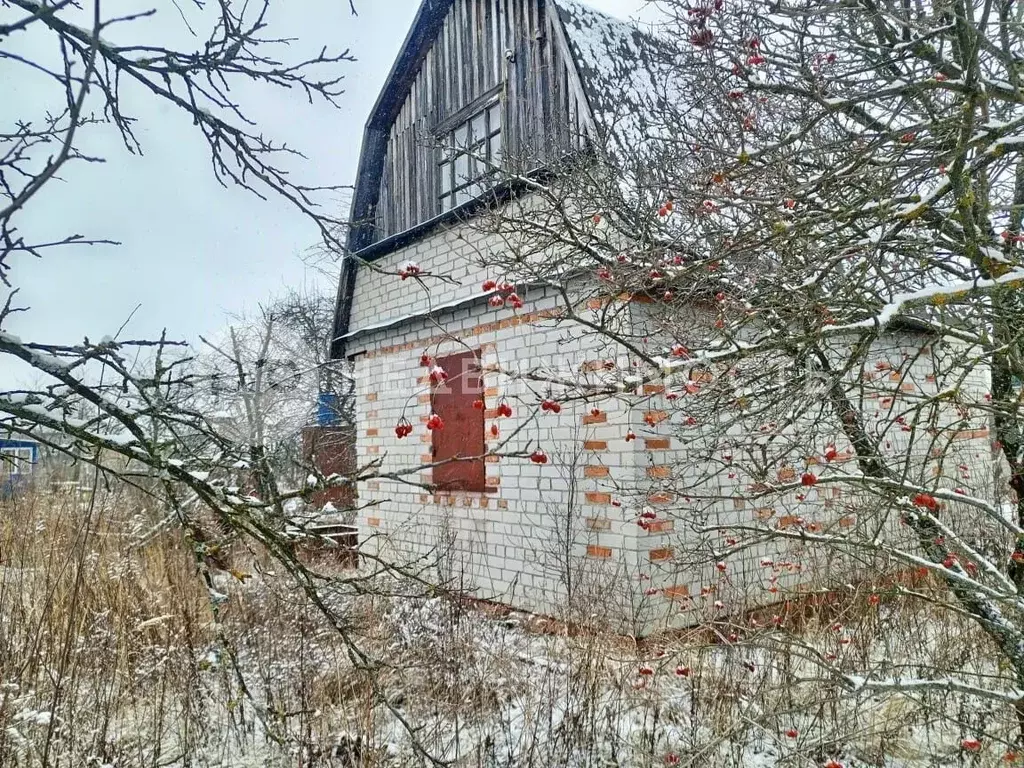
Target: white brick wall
{"type": "Point", "coordinates": [572, 524]}
{"type": "Point", "coordinates": [451, 252]}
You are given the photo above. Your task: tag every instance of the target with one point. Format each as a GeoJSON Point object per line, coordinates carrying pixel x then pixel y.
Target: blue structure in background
{"type": "Point", "coordinates": [18, 459]}
{"type": "Point", "coordinates": [327, 411]}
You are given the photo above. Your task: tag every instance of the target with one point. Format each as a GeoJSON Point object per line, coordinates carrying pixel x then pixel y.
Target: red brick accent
{"type": "Point", "coordinates": [787, 474]}
{"type": "Point", "coordinates": [372, 432]}
{"type": "Point", "coordinates": [664, 553]}
{"type": "Point", "coordinates": [639, 298]}
{"type": "Point", "coordinates": [908, 387]}
{"type": "Point", "coordinates": [492, 459]}
{"type": "Point", "coordinates": [484, 502]}
{"type": "Point", "coordinates": [653, 389]}
{"type": "Point", "coordinates": [677, 593]}
{"type": "Point", "coordinates": [600, 418]}
{"type": "Point", "coordinates": [594, 303]}
{"type": "Point", "coordinates": [595, 471]}
{"type": "Point", "coordinates": [971, 434]}
{"type": "Point", "coordinates": [426, 458]}
{"type": "Point", "coordinates": [655, 417]}
{"type": "Point", "coordinates": [373, 522]}
{"type": "Point", "coordinates": [657, 443]}
{"type": "Point", "coordinates": [598, 523]}
{"type": "Point", "coordinates": [502, 504]}
{"type": "Point", "coordinates": [764, 513]}
{"type": "Point", "coordinates": [659, 471]}
{"type": "Point", "coordinates": [661, 497]}
{"type": "Point", "coordinates": [491, 392]}
{"type": "Point", "coordinates": [423, 399]}
{"type": "Point", "coordinates": [595, 445]}
{"type": "Point", "coordinates": [424, 498]}
{"type": "Point", "coordinates": [373, 485]}
{"type": "Point", "coordinates": [701, 375]}
{"type": "Point", "coordinates": [787, 521]}
{"type": "Point", "coordinates": [493, 482]}
{"type": "Point", "coordinates": [895, 376]}
{"type": "Point", "coordinates": [593, 550]}
{"type": "Point", "coordinates": [372, 397]}
{"type": "Point", "coordinates": [661, 526]}
{"type": "Point", "coordinates": [593, 497]}
{"type": "Point", "coordinates": [373, 449]}
{"type": "Point", "coordinates": [739, 503]}
{"type": "Point", "coordinates": [597, 365]}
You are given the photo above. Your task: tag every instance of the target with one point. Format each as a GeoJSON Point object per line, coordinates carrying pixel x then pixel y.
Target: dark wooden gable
{"type": "Point", "coordinates": [460, 56]}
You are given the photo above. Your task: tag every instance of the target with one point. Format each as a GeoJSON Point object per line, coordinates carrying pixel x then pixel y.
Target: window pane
{"type": "Point", "coordinates": [461, 169]}
{"type": "Point", "coordinates": [446, 203]}
{"type": "Point", "coordinates": [494, 117]}
{"type": "Point", "coordinates": [460, 136]}
{"type": "Point", "coordinates": [479, 128]}
{"type": "Point", "coordinates": [495, 152]}
{"type": "Point", "coordinates": [446, 178]}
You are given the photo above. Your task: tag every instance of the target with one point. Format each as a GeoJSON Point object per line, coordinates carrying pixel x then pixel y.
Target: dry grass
{"type": "Point", "coordinates": [111, 654]}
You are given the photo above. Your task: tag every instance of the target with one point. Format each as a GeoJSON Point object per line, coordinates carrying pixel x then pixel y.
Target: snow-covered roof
{"type": "Point", "coordinates": [627, 75]}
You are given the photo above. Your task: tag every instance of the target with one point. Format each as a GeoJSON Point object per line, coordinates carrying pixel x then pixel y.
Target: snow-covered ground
{"type": "Point", "coordinates": [113, 656]}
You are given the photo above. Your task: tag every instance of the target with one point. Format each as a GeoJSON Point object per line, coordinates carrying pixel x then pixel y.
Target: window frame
{"type": "Point", "coordinates": [17, 461]}
{"type": "Point", "coordinates": [479, 157]}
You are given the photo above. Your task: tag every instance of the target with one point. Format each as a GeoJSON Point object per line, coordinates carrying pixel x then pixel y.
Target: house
{"type": "Point", "coordinates": [588, 520]}
{"type": "Point", "coordinates": [18, 460]}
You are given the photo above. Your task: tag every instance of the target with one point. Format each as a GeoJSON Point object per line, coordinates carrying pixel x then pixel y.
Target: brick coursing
{"type": "Point", "coordinates": [510, 543]}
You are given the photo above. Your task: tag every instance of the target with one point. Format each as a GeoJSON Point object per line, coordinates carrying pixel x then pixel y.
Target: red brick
{"type": "Point", "coordinates": [594, 497]}
{"type": "Point", "coordinates": [654, 417]}
{"type": "Point", "coordinates": [659, 471]}
{"type": "Point", "coordinates": [598, 523]}
{"type": "Point", "coordinates": [599, 418]}
{"type": "Point", "coordinates": [657, 443]}
{"type": "Point", "coordinates": [595, 471]}
{"type": "Point", "coordinates": [663, 553]}
{"type": "Point", "coordinates": [595, 445]}
{"type": "Point", "coordinates": [593, 550]}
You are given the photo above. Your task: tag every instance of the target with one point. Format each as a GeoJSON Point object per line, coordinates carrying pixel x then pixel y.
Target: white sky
{"type": "Point", "coordinates": [192, 252]}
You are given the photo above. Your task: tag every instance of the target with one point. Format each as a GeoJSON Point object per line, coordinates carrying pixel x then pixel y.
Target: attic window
{"type": "Point", "coordinates": [470, 153]}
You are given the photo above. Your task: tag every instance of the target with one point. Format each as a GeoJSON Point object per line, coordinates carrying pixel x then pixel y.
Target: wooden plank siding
{"type": "Point", "coordinates": [468, 58]}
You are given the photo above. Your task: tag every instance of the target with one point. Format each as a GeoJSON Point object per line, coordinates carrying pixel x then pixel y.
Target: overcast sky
{"type": "Point", "coordinates": [193, 253]}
